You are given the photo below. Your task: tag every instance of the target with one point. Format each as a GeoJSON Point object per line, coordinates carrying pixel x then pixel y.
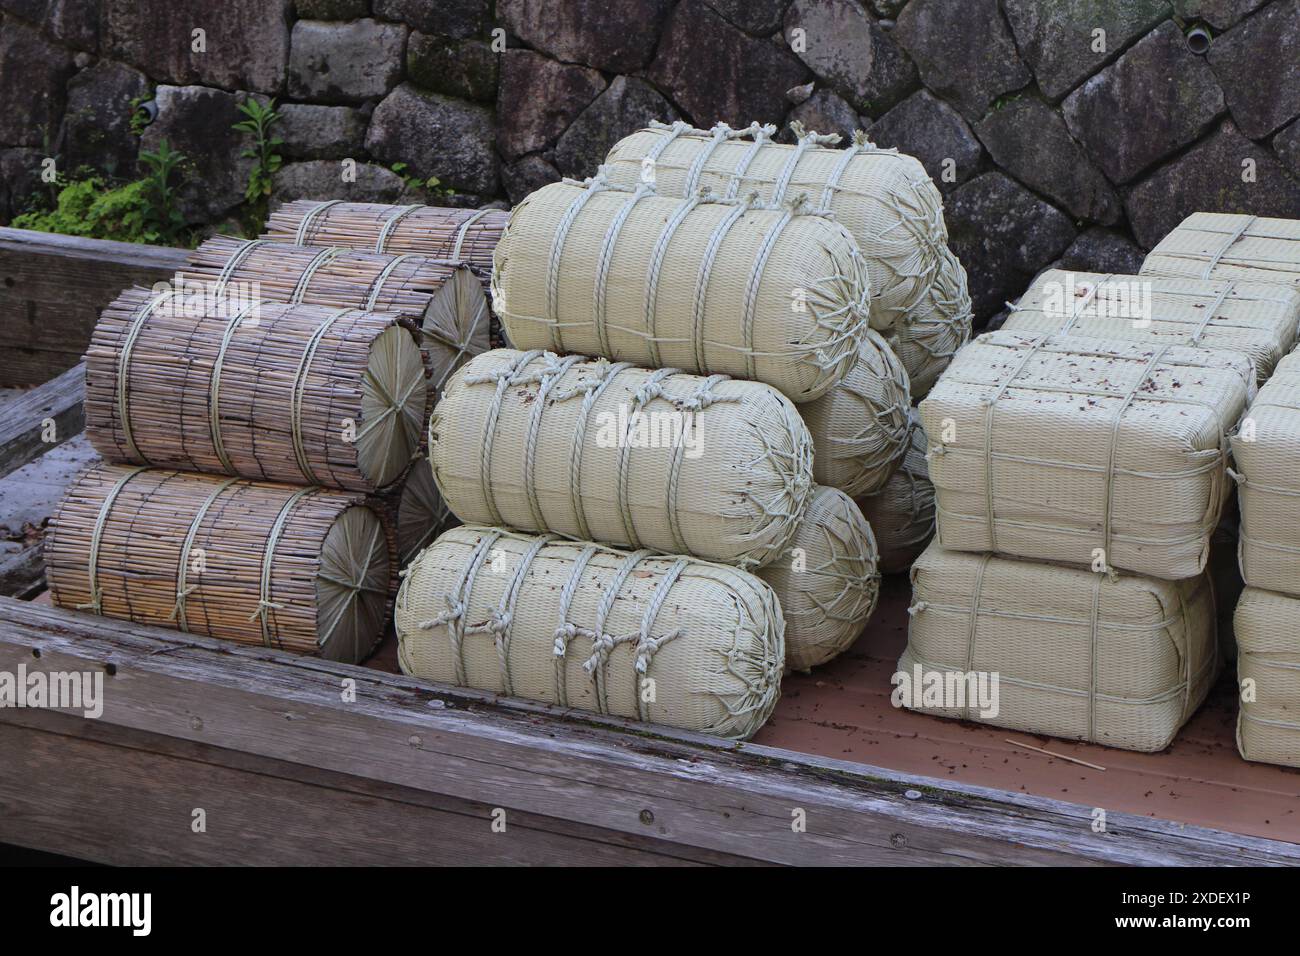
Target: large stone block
{"type": "Point", "coordinates": [436, 136]}
{"type": "Point", "coordinates": [626, 106]}
{"type": "Point", "coordinates": [1224, 173]}
{"type": "Point", "coordinates": [1287, 145]}
{"type": "Point", "coordinates": [345, 62]}
{"type": "Point", "coordinates": [332, 9]}
{"type": "Point", "coordinates": [97, 123]}
{"type": "Point", "coordinates": [310, 131]}
{"type": "Point", "coordinates": [33, 72]}
{"type": "Point", "coordinates": [1220, 14]}
{"type": "Point", "coordinates": [850, 51]}
{"type": "Point", "coordinates": [245, 43]}
{"type": "Point", "coordinates": [964, 51]}
{"type": "Point", "coordinates": [325, 179]}
{"type": "Point", "coordinates": [1003, 234]}
{"type": "Point", "coordinates": [1028, 139]}
{"type": "Point", "coordinates": [462, 68]}
{"type": "Point", "coordinates": [1101, 250]}
{"type": "Point", "coordinates": [618, 36]}
{"type": "Point", "coordinates": [454, 18]}
{"type": "Point", "coordinates": [1060, 41]}
{"type": "Point", "coordinates": [759, 17]}
{"type": "Point", "coordinates": [824, 112]}
{"type": "Point", "coordinates": [1258, 66]}
{"type": "Point", "coordinates": [527, 175]}
{"type": "Point", "coordinates": [20, 180]}
{"type": "Point", "coordinates": [1154, 100]}
{"type": "Point", "coordinates": [929, 129]}
{"type": "Point", "coordinates": [719, 74]}
{"type": "Point", "coordinates": [198, 121]}
{"type": "Point", "coordinates": [538, 98]}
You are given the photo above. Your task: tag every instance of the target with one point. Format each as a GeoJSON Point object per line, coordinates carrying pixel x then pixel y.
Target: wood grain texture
{"type": "Point", "coordinates": [51, 290]}
{"type": "Point", "coordinates": [22, 428]}
{"type": "Point", "coordinates": [685, 791]}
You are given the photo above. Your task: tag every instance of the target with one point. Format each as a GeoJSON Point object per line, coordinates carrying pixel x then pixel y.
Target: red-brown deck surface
{"type": "Point", "coordinates": [843, 710]}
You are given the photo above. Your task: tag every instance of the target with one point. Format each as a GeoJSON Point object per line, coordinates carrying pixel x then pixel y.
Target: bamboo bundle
{"type": "Point", "coordinates": [293, 393]}
{"type": "Point", "coordinates": [421, 513]}
{"type": "Point", "coordinates": [301, 569]}
{"type": "Point", "coordinates": [1122, 662]}
{"type": "Point", "coordinates": [901, 514]}
{"type": "Point", "coordinates": [713, 467]}
{"type": "Point", "coordinates": [1266, 454]}
{"type": "Point", "coordinates": [826, 580]}
{"type": "Point", "coordinates": [1254, 318]}
{"type": "Point", "coordinates": [669, 640]}
{"type": "Point", "coordinates": [457, 235]}
{"type": "Point", "coordinates": [1268, 721]}
{"type": "Point", "coordinates": [859, 427]}
{"type": "Point", "coordinates": [1211, 245]}
{"type": "Point", "coordinates": [444, 299]}
{"type": "Point", "coordinates": [706, 286]}
{"type": "Point", "coordinates": [1111, 454]}
{"type": "Point", "coordinates": [919, 299]}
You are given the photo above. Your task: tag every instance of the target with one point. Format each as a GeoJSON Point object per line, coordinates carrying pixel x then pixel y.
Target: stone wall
{"type": "Point", "coordinates": [1072, 131]}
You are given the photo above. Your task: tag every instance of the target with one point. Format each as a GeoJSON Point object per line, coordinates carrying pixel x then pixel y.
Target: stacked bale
{"type": "Point", "coordinates": [1211, 245]}
{"type": "Point", "coordinates": [901, 513]}
{"type": "Point", "coordinates": [1266, 452]}
{"type": "Point", "coordinates": [883, 197]}
{"type": "Point", "coordinates": [1078, 483]}
{"type": "Point", "coordinates": [444, 299]}
{"type": "Point", "coordinates": [297, 568]}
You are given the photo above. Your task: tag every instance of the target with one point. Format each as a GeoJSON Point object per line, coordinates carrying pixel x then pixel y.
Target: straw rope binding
{"type": "Point", "coordinates": [300, 569]}
{"type": "Point", "coordinates": [668, 640]}
{"type": "Point", "coordinates": [1209, 245]}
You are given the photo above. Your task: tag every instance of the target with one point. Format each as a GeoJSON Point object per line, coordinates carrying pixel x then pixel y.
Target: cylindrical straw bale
{"type": "Point", "coordinates": [919, 297]}
{"type": "Point", "coordinates": [714, 467]}
{"type": "Point", "coordinates": [901, 514]}
{"type": "Point", "coordinates": [300, 569]}
{"type": "Point", "coordinates": [668, 640]}
{"type": "Point", "coordinates": [295, 393]}
{"type": "Point", "coordinates": [705, 286]}
{"type": "Point", "coordinates": [826, 580]}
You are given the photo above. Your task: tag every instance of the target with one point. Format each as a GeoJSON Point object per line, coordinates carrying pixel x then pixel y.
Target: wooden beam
{"type": "Point", "coordinates": [36, 421]}
{"type": "Point", "coordinates": [22, 574]}
{"type": "Point", "coordinates": [52, 289]}
{"type": "Point", "coordinates": [684, 794]}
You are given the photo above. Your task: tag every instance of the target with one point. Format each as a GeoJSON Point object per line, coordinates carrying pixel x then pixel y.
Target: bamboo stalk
{"type": "Point", "coordinates": [191, 551]}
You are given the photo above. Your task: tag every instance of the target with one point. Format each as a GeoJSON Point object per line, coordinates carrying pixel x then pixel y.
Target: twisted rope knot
{"type": "Point", "coordinates": [455, 610]}
{"type": "Point", "coordinates": [646, 648]}
{"type": "Point", "coordinates": [647, 393]}
{"type": "Point", "coordinates": [563, 634]}
{"type": "Point", "coordinates": [917, 608]}
{"type": "Point", "coordinates": [181, 595]}
{"type": "Point", "coordinates": [262, 607]}
{"type": "Point", "coordinates": [95, 604]}
{"type": "Point", "coordinates": [601, 646]}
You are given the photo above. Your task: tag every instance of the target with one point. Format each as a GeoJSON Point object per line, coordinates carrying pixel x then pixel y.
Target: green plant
{"type": "Point", "coordinates": [262, 117]}
{"type": "Point", "coordinates": [139, 117]}
{"type": "Point", "coordinates": [140, 211]}
{"type": "Point", "coordinates": [431, 184]}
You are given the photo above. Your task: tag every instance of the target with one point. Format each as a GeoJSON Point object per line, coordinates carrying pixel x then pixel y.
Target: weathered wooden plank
{"type": "Point", "coordinates": [680, 789]}
{"type": "Point", "coordinates": [52, 289]}
{"type": "Point", "coordinates": [48, 415]}
{"type": "Point", "coordinates": [22, 573]}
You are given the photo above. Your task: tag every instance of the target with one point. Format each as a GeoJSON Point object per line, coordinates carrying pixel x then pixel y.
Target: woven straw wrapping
{"type": "Point", "coordinates": [1266, 454]}
{"type": "Point", "coordinates": [1211, 245]}
{"type": "Point", "coordinates": [1254, 318]}
{"type": "Point", "coordinates": [595, 450]}
{"type": "Point", "coordinates": [707, 287]}
{"type": "Point", "coordinates": [263, 390]}
{"type": "Point", "coordinates": [1268, 653]}
{"type": "Point", "coordinates": [581, 625]}
{"type": "Point", "coordinates": [300, 569]}
{"type": "Point", "coordinates": [1052, 448]}
{"type": "Point", "coordinates": [883, 197]}
{"type": "Point", "coordinates": [1121, 662]}
{"type": "Point", "coordinates": [859, 427]}
{"type": "Point", "coordinates": [442, 298]}
{"type": "Point", "coordinates": [826, 581]}
{"type": "Point", "coordinates": [457, 235]}
{"type": "Point", "coordinates": [901, 514]}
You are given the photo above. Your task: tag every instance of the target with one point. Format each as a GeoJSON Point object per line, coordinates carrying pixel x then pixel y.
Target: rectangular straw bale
{"type": "Point", "coordinates": [1122, 662]}
{"type": "Point", "coordinates": [1212, 245]}
{"type": "Point", "coordinates": [1257, 319]}
{"type": "Point", "coordinates": [1088, 452]}
{"type": "Point", "coordinates": [1268, 654]}
{"type": "Point", "coordinates": [1266, 453]}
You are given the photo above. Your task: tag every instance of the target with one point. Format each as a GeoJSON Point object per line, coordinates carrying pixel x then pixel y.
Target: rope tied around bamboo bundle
{"type": "Point", "coordinates": [299, 385]}
{"type": "Point", "coordinates": [304, 227]}
{"type": "Point", "coordinates": [96, 603]}
{"type": "Point", "coordinates": [124, 369]}
{"type": "Point", "coordinates": [463, 231]}
{"type": "Point", "coordinates": [232, 264]}
{"type": "Point", "coordinates": [318, 262]}
{"type": "Point", "coordinates": [214, 387]}
{"type": "Point", "coordinates": [265, 606]}
{"type": "Point", "coordinates": [396, 216]}
{"type": "Point", "coordinates": [377, 284]}
{"type": "Point", "coordinates": [184, 590]}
